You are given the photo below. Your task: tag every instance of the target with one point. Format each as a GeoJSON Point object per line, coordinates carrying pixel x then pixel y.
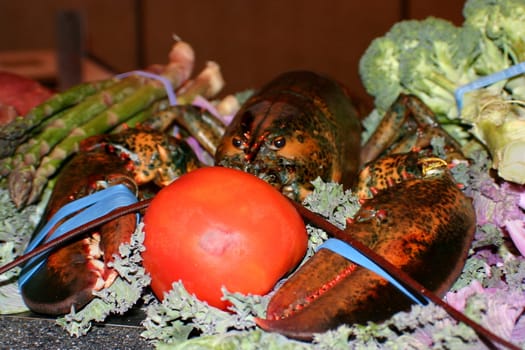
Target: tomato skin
{"type": "Point", "coordinates": [219, 227]}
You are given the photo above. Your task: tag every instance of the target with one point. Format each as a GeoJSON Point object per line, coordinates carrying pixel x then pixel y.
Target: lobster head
{"type": "Point", "coordinates": [286, 134]}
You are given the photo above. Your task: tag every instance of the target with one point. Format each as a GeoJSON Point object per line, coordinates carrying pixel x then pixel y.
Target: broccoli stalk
{"type": "Point", "coordinates": [506, 143]}
{"type": "Point", "coordinates": [497, 123]}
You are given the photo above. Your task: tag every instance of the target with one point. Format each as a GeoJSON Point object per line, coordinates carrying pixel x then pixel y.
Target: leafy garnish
{"type": "Point", "coordinates": [238, 340]}
{"type": "Point", "coordinates": [493, 279]}
{"type": "Point", "coordinates": [123, 294]}
{"type": "Point", "coordinates": [332, 202]}
{"type": "Point", "coordinates": [180, 313]}
{"type": "Point", "coordinates": [16, 228]}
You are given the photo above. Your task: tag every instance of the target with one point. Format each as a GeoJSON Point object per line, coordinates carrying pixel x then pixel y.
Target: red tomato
{"type": "Point", "coordinates": [219, 227]}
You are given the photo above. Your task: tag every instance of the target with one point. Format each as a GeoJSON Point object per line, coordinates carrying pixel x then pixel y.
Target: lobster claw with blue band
{"type": "Point", "coordinates": [107, 173]}
{"type": "Point", "coordinates": [86, 273]}
{"type": "Point", "coordinates": [423, 225]}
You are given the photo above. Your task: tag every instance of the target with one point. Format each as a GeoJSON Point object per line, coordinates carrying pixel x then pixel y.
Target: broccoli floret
{"type": "Point", "coordinates": [379, 71]}
{"type": "Point", "coordinates": [450, 49]}
{"type": "Point", "coordinates": [438, 37]}
{"type": "Point", "coordinates": [502, 22]}
{"type": "Point", "coordinates": [441, 61]}
{"type": "Point", "coordinates": [491, 59]}
{"type": "Point", "coordinates": [406, 34]}
{"type": "Point", "coordinates": [421, 77]}
{"type": "Point", "coordinates": [412, 49]}
{"type": "Point", "coordinates": [477, 14]}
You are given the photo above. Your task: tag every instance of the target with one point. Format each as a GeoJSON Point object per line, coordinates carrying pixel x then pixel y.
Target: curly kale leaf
{"type": "Point", "coordinates": [125, 291]}
{"type": "Point", "coordinates": [332, 202]}
{"type": "Point", "coordinates": [180, 314]}
{"type": "Point", "coordinates": [16, 229]}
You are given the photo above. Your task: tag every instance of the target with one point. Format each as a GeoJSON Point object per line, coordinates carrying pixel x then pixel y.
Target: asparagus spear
{"type": "Point", "coordinates": [176, 72]}
{"type": "Point", "coordinates": [82, 112]}
{"type": "Point", "coordinates": [100, 124]}
{"type": "Point", "coordinates": [205, 127]}
{"type": "Point", "coordinates": [207, 84]}
{"type": "Point", "coordinates": [7, 164]}
{"type": "Point", "coordinates": [25, 164]}
{"type": "Point", "coordinates": [143, 115]}
{"type": "Point", "coordinates": [182, 56]}
{"type": "Point", "coordinates": [17, 131]}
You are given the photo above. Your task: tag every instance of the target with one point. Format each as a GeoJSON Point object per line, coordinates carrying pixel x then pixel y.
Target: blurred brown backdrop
{"type": "Point", "coordinates": [251, 40]}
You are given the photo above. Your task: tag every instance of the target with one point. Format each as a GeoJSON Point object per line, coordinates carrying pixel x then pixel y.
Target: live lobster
{"type": "Point", "coordinates": [299, 127]}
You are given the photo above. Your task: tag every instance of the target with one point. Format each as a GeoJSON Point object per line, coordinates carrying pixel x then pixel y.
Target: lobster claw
{"type": "Point", "coordinates": [67, 280]}
{"type": "Point", "coordinates": [130, 162]}
{"type": "Point", "coordinates": [68, 277]}
{"type": "Point", "coordinates": [329, 291]}
{"type": "Point", "coordinates": [423, 226]}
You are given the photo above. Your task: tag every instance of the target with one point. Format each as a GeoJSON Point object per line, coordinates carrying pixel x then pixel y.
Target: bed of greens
{"type": "Point", "coordinates": [432, 59]}
{"type": "Point", "coordinates": [490, 289]}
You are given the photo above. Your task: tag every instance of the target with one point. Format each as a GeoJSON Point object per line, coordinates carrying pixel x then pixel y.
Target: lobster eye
{"type": "Point", "coordinates": [279, 142]}
{"type": "Point", "coordinates": [236, 142]}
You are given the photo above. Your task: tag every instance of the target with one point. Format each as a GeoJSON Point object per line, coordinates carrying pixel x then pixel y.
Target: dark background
{"type": "Point", "coordinates": [251, 40]}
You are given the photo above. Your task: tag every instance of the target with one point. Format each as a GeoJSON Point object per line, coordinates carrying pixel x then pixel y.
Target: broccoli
{"type": "Point", "coordinates": [428, 58]}
{"type": "Point", "coordinates": [432, 58]}
{"type": "Point", "coordinates": [379, 72]}
{"type": "Point", "coordinates": [433, 50]}
{"type": "Point", "coordinates": [502, 22]}
{"type": "Point", "coordinates": [420, 77]}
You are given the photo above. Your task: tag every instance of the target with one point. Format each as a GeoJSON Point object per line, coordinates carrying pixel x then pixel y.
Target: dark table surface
{"type": "Point", "coordinates": [28, 331]}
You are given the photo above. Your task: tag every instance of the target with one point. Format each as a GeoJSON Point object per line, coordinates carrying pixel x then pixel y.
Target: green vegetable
{"type": "Point", "coordinates": [139, 97]}
{"type": "Point", "coordinates": [125, 291]}
{"type": "Point", "coordinates": [21, 178]}
{"type": "Point", "coordinates": [180, 313]}
{"type": "Point", "coordinates": [169, 324]}
{"type": "Point", "coordinates": [500, 124]}
{"type": "Point", "coordinates": [501, 21]}
{"type": "Point", "coordinates": [379, 70]}
{"type": "Point", "coordinates": [16, 132]}
{"type": "Point", "coordinates": [432, 58]}
{"type": "Point", "coordinates": [16, 228]}
{"type": "Point", "coordinates": [236, 340]}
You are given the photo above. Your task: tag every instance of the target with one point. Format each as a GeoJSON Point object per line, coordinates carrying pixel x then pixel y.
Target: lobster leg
{"type": "Point", "coordinates": [408, 124]}
{"type": "Point", "coordinates": [423, 226]}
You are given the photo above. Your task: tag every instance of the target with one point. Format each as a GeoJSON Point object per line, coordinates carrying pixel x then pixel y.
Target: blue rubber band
{"type": "Point", "coordinates": [165, 81]}
{"type": "Point", "coordinates": [347, 251]}
{"type": "Point", "coordinates": [510, 72]}
{"type": "Point", "coordinates": [92, 207]}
